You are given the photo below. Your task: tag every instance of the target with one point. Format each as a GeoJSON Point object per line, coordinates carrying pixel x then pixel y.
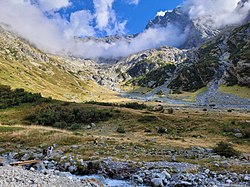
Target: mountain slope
{"type": "Point", "coordinates": [23, 66]}
{"type": "Point", "coordinates": [224, 59]}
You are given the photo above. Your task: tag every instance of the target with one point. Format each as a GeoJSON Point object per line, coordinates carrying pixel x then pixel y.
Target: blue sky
{"type": "Point", "coordinates": [137, 16]}
{"type": "Point", "coordinates": [54, 25]}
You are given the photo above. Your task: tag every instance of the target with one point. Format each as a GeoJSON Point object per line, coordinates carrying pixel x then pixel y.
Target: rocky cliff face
{"type": "Point", "coordinates": [239, 47]}
{"type": "Point", "coordinates": [197, 30]}
{"type": "Point", "coordinates": [224, 59]}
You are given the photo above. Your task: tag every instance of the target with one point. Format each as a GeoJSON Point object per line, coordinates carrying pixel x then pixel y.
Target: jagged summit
{"type": "Point", "coordinates": [198, 29]}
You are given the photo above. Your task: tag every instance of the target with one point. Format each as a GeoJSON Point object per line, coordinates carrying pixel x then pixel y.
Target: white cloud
{"type": "Point", "coordinates": [134, 2]}
{"type": "Point", "coordinates": [47, 5]}
{"type": "Point", "coordinates": [30, 23]}
{"type": "Point", "coordinates": [106, 19]}
{"type": "Point", "coordinates": [80, 25]}
{"type": "Point", "coordinates": [162, 13]}
{"type": "Point", "coordinates": [151, 38]}
{"type": "Point", "coordinates": [103, 12]}
{"type": "Point", "coordinates": [220, 12]}
{"type": "Point", "coordinates": [56, 35]}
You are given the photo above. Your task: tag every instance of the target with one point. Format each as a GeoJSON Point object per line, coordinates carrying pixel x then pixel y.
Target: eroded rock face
{"type": "Point", "coordinates": [239, 47]}
{"type": "Point", "coordinates": [196, 30]}
{"type": "Point", "coordinates": [224, 59]}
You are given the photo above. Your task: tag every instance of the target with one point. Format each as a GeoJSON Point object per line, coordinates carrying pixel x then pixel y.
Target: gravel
{"type": "Point", "coordinates": [18, 177]}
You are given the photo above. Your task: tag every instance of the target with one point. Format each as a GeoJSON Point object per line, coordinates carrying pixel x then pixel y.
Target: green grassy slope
{"type": "Point", "coordinates": [24, 66]}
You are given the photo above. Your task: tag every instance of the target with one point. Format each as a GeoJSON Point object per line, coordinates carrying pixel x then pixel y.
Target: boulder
{"type": "Point", "coordinates": [157, 182]}
{"type": "Point", "coordinates": [166, 174]}
{"type": "Point", "coordinates": [238, 135]}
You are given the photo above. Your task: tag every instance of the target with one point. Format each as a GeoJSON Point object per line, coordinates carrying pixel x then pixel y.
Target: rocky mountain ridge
{"type": "Point", "coordinates": [226, 55]}
{"type": "Point", "coordinates": [222, 58]}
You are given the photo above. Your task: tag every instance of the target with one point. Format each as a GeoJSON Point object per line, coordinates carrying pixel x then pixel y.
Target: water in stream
{"type": "Point", "coordinates": [111, 182]}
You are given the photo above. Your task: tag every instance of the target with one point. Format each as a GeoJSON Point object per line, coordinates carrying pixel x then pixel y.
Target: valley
{"type": "Point", "coordinates": [91, 114]}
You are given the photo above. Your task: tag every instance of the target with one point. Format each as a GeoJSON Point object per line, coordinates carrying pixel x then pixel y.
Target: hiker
{"type": "Point", "coordinates": [95, 141]}
{"type": "Point", "coordinates": [45, 152]}
{"type": "Point", "coordinates": [50, 150]}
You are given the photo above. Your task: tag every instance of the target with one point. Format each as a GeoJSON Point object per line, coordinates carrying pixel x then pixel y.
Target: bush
{"type": "Point", "coordinates": [170, 111]}
{"type": "Point", "coordinates": [10, 98]}
{"type": "Point", "coordinates": [176, 91]}
{"type": "Point", "coordinates": [75, 126]}
{"type": "Point", "coordinates": [148, 118]}
{"type": "Point", "coordinates": [100, 103]}
{"type": "Point", "coordinates": [246, 132]}
{"type": "Point", "coordinates": [60, 124]}
{"type": "Point", "coordinates": [148, 130]}
{"type": "Point", "coordinates": [67, 116]}
{"type": "Point", "coordinates": [120, 130]}
{"type": "Point", "coordinates": [134, 105]}
{"type": "Point", "coordinates": [225, 149]}
{"type": "Point", "coordinates": [158, 108]}
{"type": "Point", "coordinates": [162, 130]}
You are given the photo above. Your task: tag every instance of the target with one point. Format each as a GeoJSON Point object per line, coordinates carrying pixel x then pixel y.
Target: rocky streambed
{"type": "Point", "coordinates": [68, 170]}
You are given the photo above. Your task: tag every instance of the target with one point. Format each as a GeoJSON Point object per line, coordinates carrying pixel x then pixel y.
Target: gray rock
{"type": "Point", "coordinates": [64, 174]}
{"type": "Point", "coordinates": [138, 179]}
{"type": "Point", "coordinates": [93, 125]}
{"type": "Point", "coordinates": [207, 171]}
{"type": "Point", "coordinates": [26, 157]}
{"type": "Point", "coordinates": [32, 169]}
{"type": "Point", "coordinates": [228, 181]}
{"type": "Point", "coordinates": [246, 178]}
{"type": "Point", "coordinates": [238, 135]}
{"type": "Point", "coordinates": [166, 174]}
{"type": "Point", "coordinates": [185, 183]}
{"type": "Point", "coordinates": [2, 150]}
{"type": "Point", "coordinates": [157, 182]}
{"type": "Point", "coordinates": [67, 165]}
{"type": "Point", "coordinates": [173, 158]}
{"type": "Point", "coordinates": [72, 169]}
{"type": "Point", "coordinates": [39, 166]}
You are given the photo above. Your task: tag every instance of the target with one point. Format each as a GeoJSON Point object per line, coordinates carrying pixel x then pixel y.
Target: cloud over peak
{"type": "Point", "coordinates": [47, 5]}
{"type": "Point", "coordinates": [55, 34]}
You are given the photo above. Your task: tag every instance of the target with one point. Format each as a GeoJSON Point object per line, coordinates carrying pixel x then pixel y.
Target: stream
{"type": "Point", "coordinates": [110, 182]}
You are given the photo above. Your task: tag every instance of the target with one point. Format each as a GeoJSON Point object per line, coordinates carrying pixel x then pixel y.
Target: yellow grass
{"type": "Point", "coordinates": [188, 96]}
{"type": "Point", "coordinates": [243, 92]}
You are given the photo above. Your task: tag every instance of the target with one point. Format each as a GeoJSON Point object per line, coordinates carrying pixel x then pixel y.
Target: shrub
{"type": "Point", "coordinates": [134, 105]}
{"type": "Point", "coordinates": [162, 130]}
{"type": "Point", "coordinates": [75, 126]}
{"type": "Point", "coordinates": [170, 111]}
{"type": "Point", "coordinates": [225, 149]}
{"type": "Point", "coordinates": [10, 98]}
{"type": "Point", "coordinates": [176, 91]}
{"type": "Point", "coordinates": [147, 118]}
{"type": "Point", "coordinates": [160, 93]}
{"type": "Point", "coordinates": [120, 130]}
{"type": "Point", "coordinates": [246, 132]}
{"type": "Point", "coordinates": [148, 130]}
{"type": "Point", "coordinates": [67, 116]}
{"type": "Point", "coordinates": [100, 103]}
{"type": "Point", "coordinates": [60, 124]}
{"type": "Point", "coordinates": [158, 108]}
